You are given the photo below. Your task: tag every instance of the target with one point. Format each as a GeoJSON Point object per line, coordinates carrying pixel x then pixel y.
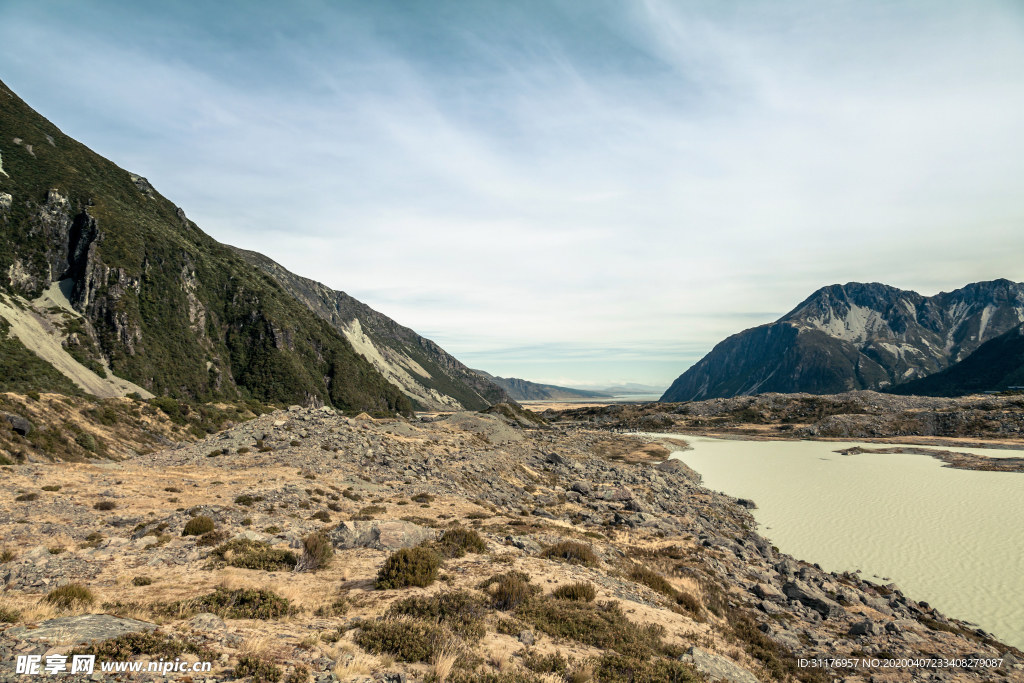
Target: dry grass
{"type": "Point", "coordinates": [31, 608]}
{"type": "Point", "coordinates": [259, 645]}
{"type": "Point", "coordinates": [445, 656]}
{"type": "Point", "coordinates": [500, 658]}
{"type": "Point", "coordinates": [357, 665]}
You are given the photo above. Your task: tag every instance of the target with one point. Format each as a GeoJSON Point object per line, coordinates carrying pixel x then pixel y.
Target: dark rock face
{"type": "Point", "coordinates": [813, 598]}
{"type": "Point", "coordinates": [19, 424]}
{"type": "Point", "coordinates": [855, 336]}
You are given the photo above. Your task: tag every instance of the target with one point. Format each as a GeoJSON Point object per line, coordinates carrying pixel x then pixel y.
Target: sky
{"type": "Point", "coordinates": [578, 193]}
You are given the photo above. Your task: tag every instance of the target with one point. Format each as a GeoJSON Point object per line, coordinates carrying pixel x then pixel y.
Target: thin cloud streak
{"type": "Point", "coordinates": [595, 176]}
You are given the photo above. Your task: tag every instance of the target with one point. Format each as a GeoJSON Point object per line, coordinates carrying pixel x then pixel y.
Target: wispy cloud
{"type": "Point", "coordinates": [553, 185]}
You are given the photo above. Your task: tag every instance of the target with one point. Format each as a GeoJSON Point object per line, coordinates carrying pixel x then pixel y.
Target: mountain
{"type": "Point", "coordinates": [855, 336]}
{"type": "Point", "coordinates": [430, 377]}
{"type": "Point", "coordinates": [524, 390]}
{"type": "Point", "coordinates": [150, 297]}
{"type": "Point", "coordinates": [994, 366]}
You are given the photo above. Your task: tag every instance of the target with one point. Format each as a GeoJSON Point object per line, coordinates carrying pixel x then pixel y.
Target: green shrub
{"type": "Point", "coordinates": [142, 581]}
{"type": "Point", "coordinates": [296, 443]}
{"type": "Point", "coordinates": [580, 592]}
{"type": "Point", "coordinates": [457, 541]}
{"type": "Point", "coordinates": [300, 674]}
{"type": "Point", "coordinates": [69, 596]}
{"type": "Point", "coordinates": [197, 526]}
{"type": "Point", "coordinates": [261, 670]}
{"type": "Point", "coordinates": [53, 488]}
{"type": "Point", "coordinates": [321, 516]}
{"type": "Point", "coordinates": [27, 497]}
{"type": "Point", "coordinates": [211, 538]}
{"type": "Point", "coordinates": [337, 608]}
{"type": "Point", "coordinates": [317, 553]}
{"type": "Point", "coordinates": [571, 552]}
{"type": "Point", "coordinates": [104, 505]}
{"type": "Point", "coordinates": [408, 567]}
{"type": "Point", "coordinates": [510, 589]}
{"type": "Point", "coordinates": [615, 668]}
{"type": "Point", "coordinates": [8, 615]}
{"type": "Point", "coordinates": [369, 512]}
{"type": "Point", "coordinates": [423, 498]}
{"type": "Point", "coordinates": [129, 645]}
{"type": "Point", "coordinates": [92, 540]}
{"type": "Point", "coordinates": [352, 496]}
{"type": "Point", "coordinates": [237, 604]}
{"type": "Point", "coordinates": [409, 640]}
{"type": "Point", "coordinates": [601, 625]}
{"type": "Point", "coordinates": [460, 611]}
{"type": "Point", "coordinates": [652, 580]}
{"type": "Point", "coordinates": [247, 554]}
{"type": "Point", "coordinates": [86, 441]}
{"type": "Point", "coordinates": [6, 555]}
{"type": "Point", "coordinates": [553, 663]}
{"type": "Point", "coordinates": [247, 500]}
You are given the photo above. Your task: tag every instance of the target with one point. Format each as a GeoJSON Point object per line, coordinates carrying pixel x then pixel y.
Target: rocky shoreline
{"type": "Point", "coordinates": [667, 550]}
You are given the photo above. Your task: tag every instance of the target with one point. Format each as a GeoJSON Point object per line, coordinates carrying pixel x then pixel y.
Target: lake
{"type": "Point", "coordinates": [953, 538]}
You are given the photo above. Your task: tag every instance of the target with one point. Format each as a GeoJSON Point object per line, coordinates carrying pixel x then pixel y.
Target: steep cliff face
{"type": "Point", "coordinates": [425, 373]}
{"type": "Point", "coordinates": [855, 336]}
{"type": "Point", "coordinates": [162, 304]}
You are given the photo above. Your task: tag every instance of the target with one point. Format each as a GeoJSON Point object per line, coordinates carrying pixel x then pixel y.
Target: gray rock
{"type": "Point", "coordinates": [717, 667]}
{"type": "Point", "coordinates": [526, 638]}
{"type": "Point", "coordinates": [766, 591]}
{"type": "Point", "coordinates": [555, 459]}
{"type": "Point", "coordinates": [253, 536]}
{"type": "Point", "coordinates": [206, 622]}
{"type": "Point", "coordinates": [5, 199]}
{"type": "Point", "coordinates": [747, 503]}
{"type": "Point", "coordinates": [380, 535]}
{"type": "Point", "coordinates": [582, 487]}
{"type": "Point", "coordinates": [866, 628]}
{"type": "Point", "coordinates": [813, 598]}
{"type": "Point", "coordinates": [524, 543]}
{"type": "Point", "coordinates": [80, 629]}
{"type": "Point", "coordinates": [18, 423]}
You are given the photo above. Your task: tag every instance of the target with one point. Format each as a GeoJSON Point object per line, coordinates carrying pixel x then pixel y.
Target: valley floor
{"type": "Point", "coordinates": [527, 522]}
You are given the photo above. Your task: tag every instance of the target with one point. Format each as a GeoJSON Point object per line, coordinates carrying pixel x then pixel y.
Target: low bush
{"type": "Point", "coordinates": [458, 541]}
{"type": "Point", "coordinates": [272, 530]}
{"type": "Point", "coordinates": [459, 611]}
{"type": "Point", "coordinates": [408, 567]}
{"type": "Point", "coordinates": [509, 590]}
{"type": "Point", "coordinates": [9, 615]}
{"type": "Point", "coordinates": [601, 625]}
{"type": "Point", "coordinates": [211, 538]}
{"type": "Point", "coordinates": [142, 581]}
{"type": "Point", "coordinates": [104, 505]}
{"type": "Point", "coordinates": [652, 580]}
{"type": "Point", "coordinates": [52, 488]}
{"type": "Point", "coordinates": [247, 500]}
{"type": "Point", "coordinates": [247, 554]}
{"type": "Point", "coordinates": [154, 645]}
{"type": "Point", "coordinates": [369, 513]}
{"type": "Point", "coordinates": [317, 553]}
{"type": "Point", "coordinates": [336, 608]}
{"type": "Point", "coordinates": [580, 592]}
{"type": "Point", "coordinates": [615, 668]}
{"type": "Point", "coordinates": [27, 497]}
{"type": "Point", "coordinates": [259, 669]}
{"type": "Point", "coordinates": [197, 526]}
{"type": "Point", "coordinates": [69, 596]}
{"type": "Point", "coordinates": [237, 604]}
{"type": "Point", "coordinates": [300, 674]}
{"type": "Point", "coordinates": [571, 552]}
{"type": "Point", "coordinates": [408, 640]}
{"type": "Point", "coordinates": [321, 516]}
{"type": "Point", "coordinates": [172, 489]}
{"type": "Point", "coordinates": [423, 498]}
{"type": "Point", "coordinates": [6, 555]}
{"type": "Point", "coordinates": [553, 663]}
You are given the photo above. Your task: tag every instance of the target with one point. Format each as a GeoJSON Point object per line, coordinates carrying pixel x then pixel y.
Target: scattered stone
{"type": "Point", "coordinates": [718, 668]}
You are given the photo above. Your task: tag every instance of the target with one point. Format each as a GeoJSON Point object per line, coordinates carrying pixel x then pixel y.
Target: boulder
{"type": "Point", "coordinates": [206, 622]}
{"type": "Point", "coordinates": [813, 598]}
{"type": "Point", "coordinates": [80, 629]}
{"type": "Point", "coordinates": [524, 543]}
{"type": "Point", "coordinates": [18, 423]}
{"type": "Point", "coordinates": [380, 535]}
{"type": "Point", "coordinates": [866, 628]}
{"type": "Point", "coordinates": [747, 503]}
{"type": "Point", "coordinates": [766, 591]}
{"type": "Point", "coordinates": [717, 667]}
{"type": "Point", "coordinates": [555, 459]}
{"type": "Point", "coordinates": [582, 487]}
{"type": "Point", "coordinates": [618, 495]}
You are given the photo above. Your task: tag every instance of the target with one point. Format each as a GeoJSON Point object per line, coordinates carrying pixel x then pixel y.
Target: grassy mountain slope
{"type": "Point", "coordinates": [995, 365]}
{"type": "Point", "coordinates": [165, 305]}
{"type": "Point", "coordinates": [431, 377]}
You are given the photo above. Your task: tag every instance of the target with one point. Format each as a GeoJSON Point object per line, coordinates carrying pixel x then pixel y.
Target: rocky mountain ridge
{"type": "Point", "coordinates": [855, 336]}
{"type": "Point", "coordinates": [525, 390]}
{"type": "Point", "coordinates": [431, 377]}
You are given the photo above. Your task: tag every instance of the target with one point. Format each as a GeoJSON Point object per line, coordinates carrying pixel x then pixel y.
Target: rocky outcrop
{"type": "Point", "coordinates": [390, 535]}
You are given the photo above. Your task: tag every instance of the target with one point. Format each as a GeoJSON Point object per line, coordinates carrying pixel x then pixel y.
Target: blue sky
{"type": "Point", "coordinates": [577, 192]}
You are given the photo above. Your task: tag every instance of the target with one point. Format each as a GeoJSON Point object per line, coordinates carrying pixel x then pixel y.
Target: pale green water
{"type": "Point", "coordinates": [953, 538]}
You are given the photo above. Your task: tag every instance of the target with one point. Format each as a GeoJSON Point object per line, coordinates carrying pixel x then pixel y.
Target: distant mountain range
{"type": "Point", "coordinates": [109, 288]}
{"type": "Point", "coordinates": [855, 336]}
{"type": "Point", "coordinates": [524, 390]}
